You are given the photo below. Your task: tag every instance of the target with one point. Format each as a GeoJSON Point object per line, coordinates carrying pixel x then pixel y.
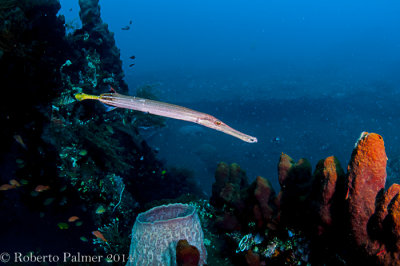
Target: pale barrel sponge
{"type": "Point", "coordinates": [157, 231]}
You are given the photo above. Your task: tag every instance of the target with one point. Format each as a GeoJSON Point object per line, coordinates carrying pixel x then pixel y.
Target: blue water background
{"type": "Point", "coordinates": [313, 74]}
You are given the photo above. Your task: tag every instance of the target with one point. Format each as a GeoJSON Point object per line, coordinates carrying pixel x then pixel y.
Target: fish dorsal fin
{"type": "Point", "coordinates": [112, 90]}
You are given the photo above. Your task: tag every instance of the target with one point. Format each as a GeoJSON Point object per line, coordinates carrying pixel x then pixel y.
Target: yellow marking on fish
{"type": "Point", "coordinates": [84, 96]}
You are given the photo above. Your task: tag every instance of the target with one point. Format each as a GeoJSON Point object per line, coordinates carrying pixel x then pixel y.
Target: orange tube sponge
{"type": "Point", "coordinates": [186, 254]}
{"type": "Point", "coordinates": [327, 193]}
{"type": "Point", "coordinates": [366, 178]}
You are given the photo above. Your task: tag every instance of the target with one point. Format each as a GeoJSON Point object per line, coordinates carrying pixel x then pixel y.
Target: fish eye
{"type": "Point", "coordinates": [217, 122]}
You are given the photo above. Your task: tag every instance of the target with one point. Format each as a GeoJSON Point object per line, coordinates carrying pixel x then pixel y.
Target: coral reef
{"type": "Point", "coordinates": [117, 241]}
{"type": "Point", "coordinates": [157, 231]}
{"type": "Point", "coordinates": [32, 37]}
{"type": "Point", "coordinates": [98, 52]}
{"type": "Point", "coordinates": [91, 163]}
{"type": "Point", "coordinates": [28, 31]}
{"type": "Point", "coordinates": [327, 217]}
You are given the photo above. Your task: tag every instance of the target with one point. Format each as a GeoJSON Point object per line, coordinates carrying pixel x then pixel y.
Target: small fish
{"type": "Point", "coordinates": [73, 219]}
{"type": "Point", "coordinates": [19, 140]}
{"type": "Point", "coordinates": [41, 188]}
{"type": "Point", "coordinates": [381, 252]}
{"type": "Point", "coordinates": [63, 226]}
{"type": "Point", "coordinates": [6, 187]}
{"type": "Point", "coordinates": [14, 183]}
{"type": "Point", "coordinates": [110, 129]}
{"type": "Point", "coordinates": [132, 57]}
{"type": "Point", "coordinates": [84, 239]}
{"type": "Point", "coordinates": [99, 235]}
{"type": "Point", "coordinates": [347, 194]}
{"type": "Point", "coordinates": [276, 140]}
{"type": "Point", "coordinates": [131, 65]}
{"type": "Point", "coordinates": [100, 209]}
{"type": "Point", "coordinates": [125, 28]}
{"type": "Point", "coordinates": [130, 22]}
{"type": "Point", "coordinates": [83, 153]}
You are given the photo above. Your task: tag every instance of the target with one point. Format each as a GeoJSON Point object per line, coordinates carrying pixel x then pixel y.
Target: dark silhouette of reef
{"type": "Point", "coordinates": [328, 217]}
{"type": "Point", "coordinates": [31, 46]}
{"type": "Point", "coordinates": [95, 163]}
{"type": "Point", "coordinates": [32, 41]}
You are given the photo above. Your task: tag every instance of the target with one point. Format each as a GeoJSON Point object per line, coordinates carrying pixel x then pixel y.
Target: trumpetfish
{"type": "Point", "coordinates": [166, 110]}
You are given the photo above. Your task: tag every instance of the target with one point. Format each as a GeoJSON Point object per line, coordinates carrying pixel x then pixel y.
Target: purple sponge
{"type": "Point", "coordinates": [157, 231]}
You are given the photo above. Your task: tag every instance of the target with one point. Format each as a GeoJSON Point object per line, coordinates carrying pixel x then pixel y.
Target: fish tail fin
{"type": "Point", "coordinates": [84, 96]}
